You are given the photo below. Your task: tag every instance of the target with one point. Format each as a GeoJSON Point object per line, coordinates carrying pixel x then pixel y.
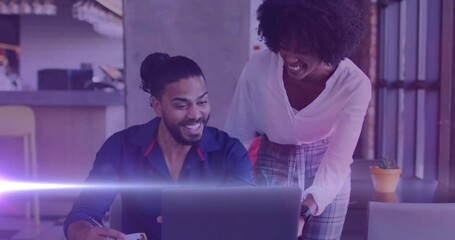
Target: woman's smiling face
{"type": "Point", "coordinates": [299, 63]}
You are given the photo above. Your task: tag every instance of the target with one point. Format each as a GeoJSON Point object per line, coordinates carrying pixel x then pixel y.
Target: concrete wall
{"type": "Point", "coordinates": [61, 41]}
{"type": "Point", "coordinates": [215, 33]}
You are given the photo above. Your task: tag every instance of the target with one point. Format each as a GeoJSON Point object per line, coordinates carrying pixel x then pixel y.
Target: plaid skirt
{"type": "Point", "coordinates": [293, 165]}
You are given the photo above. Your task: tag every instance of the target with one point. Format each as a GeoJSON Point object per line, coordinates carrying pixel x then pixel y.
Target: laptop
{"type": "Point", "coordinates": [248, 213]}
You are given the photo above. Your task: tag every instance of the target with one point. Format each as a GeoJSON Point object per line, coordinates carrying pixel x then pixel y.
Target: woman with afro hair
{"type": "Point", "coordinates": [304, 101]}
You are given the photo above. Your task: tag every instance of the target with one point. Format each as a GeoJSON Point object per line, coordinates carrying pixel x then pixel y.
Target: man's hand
{"type": "Point", "coordinates": [103, 233]}
{"type": "Point", "coordinates": [83, 230]}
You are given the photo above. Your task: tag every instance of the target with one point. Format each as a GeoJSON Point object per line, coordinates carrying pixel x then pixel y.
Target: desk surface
{"type": "Point", "coordinates": [408, 190]}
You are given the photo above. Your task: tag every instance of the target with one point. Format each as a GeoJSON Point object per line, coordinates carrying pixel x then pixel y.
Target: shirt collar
{"type": "Point", "coordinates": [144, 136]}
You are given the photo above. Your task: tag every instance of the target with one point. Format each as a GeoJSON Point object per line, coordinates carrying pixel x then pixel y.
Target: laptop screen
{"type": "Point", "coordinates": [231, 213]}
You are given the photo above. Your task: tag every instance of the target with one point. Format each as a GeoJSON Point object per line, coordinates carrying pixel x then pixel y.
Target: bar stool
{"type": "Point", "coordinates": [19, 121]}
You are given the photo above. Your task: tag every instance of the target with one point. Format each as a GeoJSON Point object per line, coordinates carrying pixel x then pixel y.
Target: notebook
{"type": "Point", "coordinates": [230, 213]}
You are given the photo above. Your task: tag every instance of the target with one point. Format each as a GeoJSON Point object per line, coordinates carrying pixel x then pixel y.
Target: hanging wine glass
{"type": "Point", "coordinates": [4, 9]}
{"type": "Point", "coordinates": [24, 7]}
{"type": "Point", "coordinates": [13, 7]}
{"type": "Point", "coordinates": [49, 7]}
{"type": "Point", "coordinates": [37, 7]}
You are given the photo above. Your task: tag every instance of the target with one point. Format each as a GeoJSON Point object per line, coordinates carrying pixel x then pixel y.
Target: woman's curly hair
{"type": "Point", "coordinates": [330, 28]}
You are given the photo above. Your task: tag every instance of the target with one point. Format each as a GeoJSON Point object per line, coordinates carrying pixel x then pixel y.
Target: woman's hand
{"type": "Point", "coordinates": [311, 204]}
{"type": "Point", "coordinates": [300, 227]}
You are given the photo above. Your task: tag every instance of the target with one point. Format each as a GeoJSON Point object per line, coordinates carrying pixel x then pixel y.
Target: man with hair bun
{"type": "Point", "coordinates": [302, 104]}
{"type": "Point", "coordinates": [174, 148]}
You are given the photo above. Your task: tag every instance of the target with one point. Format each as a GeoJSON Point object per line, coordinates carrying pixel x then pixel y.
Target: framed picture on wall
{"type": "Point", "coordinates": [9, 58]}
{"type": "Point", "coordinates": [9, 43]}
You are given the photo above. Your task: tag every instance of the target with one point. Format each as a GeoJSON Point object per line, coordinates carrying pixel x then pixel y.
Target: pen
{"type": "Point", "coordinates": [96, 222]}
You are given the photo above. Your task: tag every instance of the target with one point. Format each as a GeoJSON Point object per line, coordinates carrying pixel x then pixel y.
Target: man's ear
{"type": "Point", "coordinates": [156, 105]}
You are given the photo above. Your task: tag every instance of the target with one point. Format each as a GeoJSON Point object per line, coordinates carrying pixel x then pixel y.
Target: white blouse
{"type": "Point", "coordinates": [260, 104]}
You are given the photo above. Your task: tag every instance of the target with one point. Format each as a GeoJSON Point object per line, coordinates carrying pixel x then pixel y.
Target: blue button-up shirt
{"type": "Point", "coordinates": [133, 156]}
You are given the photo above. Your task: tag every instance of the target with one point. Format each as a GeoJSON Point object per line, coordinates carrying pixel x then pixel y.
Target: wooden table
{"type": "Point", "coordinates": [408, 191]}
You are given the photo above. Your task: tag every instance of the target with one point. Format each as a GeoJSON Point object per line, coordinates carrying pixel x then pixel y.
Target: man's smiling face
{"type": "Point", "coordinates": [185, 109]}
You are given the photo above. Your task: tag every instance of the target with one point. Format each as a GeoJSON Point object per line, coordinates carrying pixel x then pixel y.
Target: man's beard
{"type": "Point", "coordinates": [177, 135]}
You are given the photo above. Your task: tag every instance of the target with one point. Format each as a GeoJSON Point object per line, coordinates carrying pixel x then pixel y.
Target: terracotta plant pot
{"type": "Point", "coordinates": [385, 197]}
{"type": "Point", "coordinates": [385, 180]}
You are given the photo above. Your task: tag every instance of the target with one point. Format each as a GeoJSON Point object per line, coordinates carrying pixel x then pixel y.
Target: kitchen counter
{"type": "Point", "coordinates": [62, 98]}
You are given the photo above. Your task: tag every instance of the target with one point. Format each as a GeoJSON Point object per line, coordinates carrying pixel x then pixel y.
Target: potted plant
{"type": "Point", "coordinates": [385, 175]}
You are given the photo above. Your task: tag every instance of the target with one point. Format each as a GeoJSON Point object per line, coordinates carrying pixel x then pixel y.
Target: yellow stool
{"type": "Point", "coordinates": [19, 121]}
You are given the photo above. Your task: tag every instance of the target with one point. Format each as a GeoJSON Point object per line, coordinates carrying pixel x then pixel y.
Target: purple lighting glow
{"type": "Point", "coordinates": [10, 186]}
{"type": "Point", "coordinates": [13, 186]}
